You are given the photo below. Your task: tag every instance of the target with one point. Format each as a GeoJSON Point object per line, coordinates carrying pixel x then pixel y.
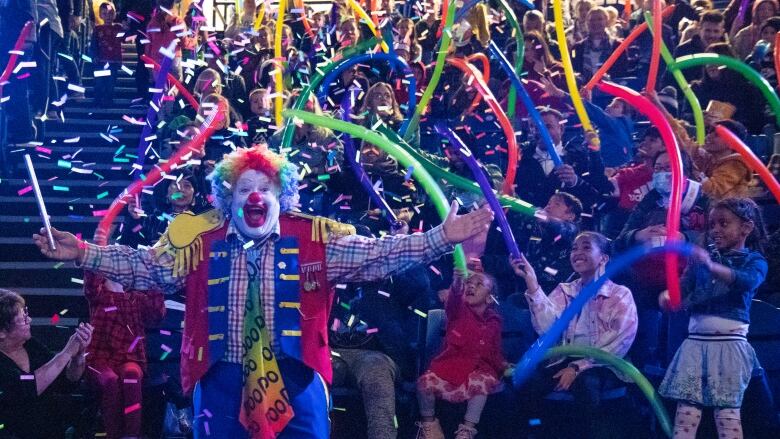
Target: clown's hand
{"type": "Point", "coordinates": [458, 228]}
{"type": "Point", "coordinates": [69, 248]}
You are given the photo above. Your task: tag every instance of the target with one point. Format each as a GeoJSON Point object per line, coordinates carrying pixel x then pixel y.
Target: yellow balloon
{"type": "Point", "coordinates": [362, 13]}
{"type": "Point", "coordinates": [279, 81]}
{"type": "Point", "coordinates": [571, 81]}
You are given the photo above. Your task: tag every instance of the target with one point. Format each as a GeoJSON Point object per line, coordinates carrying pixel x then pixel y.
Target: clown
{"type": "Point", "coordinates": [258, 283]}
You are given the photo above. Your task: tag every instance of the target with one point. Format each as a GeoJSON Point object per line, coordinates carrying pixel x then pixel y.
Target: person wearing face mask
{"type": "Point", "coordinates": [647, 226]}
{"type": "Point", "coordinates": [258, 281]}
{"type": "Point", "coordinates": [607, 322]}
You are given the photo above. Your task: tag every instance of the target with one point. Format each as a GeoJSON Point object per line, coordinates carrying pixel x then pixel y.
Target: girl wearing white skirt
{"type": "Point", "coordinates": [713, 366]}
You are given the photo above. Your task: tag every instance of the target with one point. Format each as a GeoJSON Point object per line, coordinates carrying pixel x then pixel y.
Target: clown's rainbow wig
{"type": "Point", "coordinates": [259, 158]}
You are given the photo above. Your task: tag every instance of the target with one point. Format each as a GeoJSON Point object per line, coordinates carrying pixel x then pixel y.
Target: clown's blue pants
{"type": "Point", "coordinates": [218, 393]}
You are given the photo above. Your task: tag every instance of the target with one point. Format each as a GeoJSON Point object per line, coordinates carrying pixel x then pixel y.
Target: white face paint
{"type": "Point", "coordinates": [255, 206]}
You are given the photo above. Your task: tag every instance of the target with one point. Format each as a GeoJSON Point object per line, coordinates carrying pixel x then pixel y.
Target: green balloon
{"type": "Point", "coordinates": [444, 47]}
{"type": "Point", "coordinates": [418, 171]}
{"type": "Point", "coordinates": [700, 59]}
{"type": "Point", "coordinates": [693, 101]}
{"type": "Point", "coordinates": [462, 183]}
{"type": "Point", "coordinates": [519, 55]}
{"type": "Point", "coordinates": [314, 83]}
{"type": "Point", "coordinates": [623, 366]}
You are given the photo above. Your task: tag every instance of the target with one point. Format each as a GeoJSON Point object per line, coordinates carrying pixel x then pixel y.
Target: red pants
{"type": "Point", "coordinates": [120, 395]}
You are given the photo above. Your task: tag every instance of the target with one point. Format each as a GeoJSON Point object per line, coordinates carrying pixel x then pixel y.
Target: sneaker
{"type": "Point", "coordinates": [465, 432]}
{"type": "Point", "coordinates": [429, 430]}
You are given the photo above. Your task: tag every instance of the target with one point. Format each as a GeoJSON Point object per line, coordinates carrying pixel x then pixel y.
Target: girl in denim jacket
{"type": "Point", "coordinates": [714, 364]}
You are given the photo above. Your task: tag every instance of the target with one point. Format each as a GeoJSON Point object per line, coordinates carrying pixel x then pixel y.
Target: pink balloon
{"type": "Point", "coordinates": [657, 119]}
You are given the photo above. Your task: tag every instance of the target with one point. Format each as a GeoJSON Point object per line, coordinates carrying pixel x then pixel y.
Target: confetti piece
{"type": "Point", "coordinates": [55, 319]}
{"type": "Point", "coordinates": [110, 308]}
{"type": "Point", "coordinates": [77, 281]}
{"type": "Point", "coordinates": [23, 191]}
{"type": "Point", "coordinates": [420, 313]}
{"type": "Point", "coordinates": [27, 377]}
{"type": "Point", "coordinates": [76, 88]}
{"type": "Point", "coordinates": [133, 344]}
{"type": "Point", "coordinates": [132, 408]}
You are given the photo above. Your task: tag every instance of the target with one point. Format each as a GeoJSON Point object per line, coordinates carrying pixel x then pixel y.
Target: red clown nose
{"type": "Point", "coordinates": [254, 198]}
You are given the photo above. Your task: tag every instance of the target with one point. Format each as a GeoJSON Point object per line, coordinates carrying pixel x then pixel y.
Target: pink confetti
{"type": "Point", "coordinates": [99, 212]}
{"type": "Point", "coordinates": [109, 308]}
{"type": "Point", "coordinates": [43, 150]}
{"type": "Point", "coordinates": [133, 344]}
{"type": "Point", "coordinates": [132, 408]}
{"type": "Point", "coordinates": [24, 190]}
{"type": "Point", "coordinates": [27, 377]}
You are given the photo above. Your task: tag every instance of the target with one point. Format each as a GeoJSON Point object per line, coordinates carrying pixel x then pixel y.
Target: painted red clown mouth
{"type": "Point", "coordinates": [255, 214]}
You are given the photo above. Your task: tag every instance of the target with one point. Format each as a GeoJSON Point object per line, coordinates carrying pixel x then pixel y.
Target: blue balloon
{"type": "Point", "coordinates": [496, 53]}
{"type": "Point", "coordinates": [391, 58]}
{"type": "Point", "coordinates": [535, 354]}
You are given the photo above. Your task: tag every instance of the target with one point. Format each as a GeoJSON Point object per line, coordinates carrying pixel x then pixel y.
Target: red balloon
{"type": "Point", "coordinates": [657, 119]}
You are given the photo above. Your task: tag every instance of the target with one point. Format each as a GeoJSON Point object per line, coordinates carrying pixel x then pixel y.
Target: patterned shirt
{"type": "Point", "coordinates": [608, 321]}
{"type": "Point", "coordinates": [120, 319]}
{"type": "Point", "coordinates": [349, 259]}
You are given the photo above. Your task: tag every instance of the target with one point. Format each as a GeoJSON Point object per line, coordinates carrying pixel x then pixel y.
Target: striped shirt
{"type": "Point", "coordinates": [349, 259]}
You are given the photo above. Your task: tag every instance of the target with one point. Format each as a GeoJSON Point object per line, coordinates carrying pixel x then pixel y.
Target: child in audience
{"type": "Point", "coordinates": [713, 366]}
{"type": "Point", "coordinates": [471, 365]}
{"type": "Point", "coordinates": [117, 353]}
{"type": "Point", "coordinates": [166, 28]}
{"type": "Point", "coordinates": [258, 125]}
{"type": "Point", "coordinates": [107, 49]}
{"type": "Point", "coordinates": [607, 322]}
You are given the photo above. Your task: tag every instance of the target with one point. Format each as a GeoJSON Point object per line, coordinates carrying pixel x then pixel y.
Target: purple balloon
{"type": "Point", "coordinates": [484, 184]}
{"type": "Point", "coordinates": [351, 153]}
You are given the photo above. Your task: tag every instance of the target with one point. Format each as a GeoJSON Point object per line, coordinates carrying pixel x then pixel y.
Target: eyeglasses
{"type": "Point", "coordinates": [25, 315]}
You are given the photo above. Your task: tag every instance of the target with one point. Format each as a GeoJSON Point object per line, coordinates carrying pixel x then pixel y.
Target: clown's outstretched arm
{"type": "Point", "coordinates": [134, 269]}
{"type": "Point", "coordinates": [359, 259]}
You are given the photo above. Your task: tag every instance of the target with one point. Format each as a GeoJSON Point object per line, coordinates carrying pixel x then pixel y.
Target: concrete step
{"type": "Point", "coordinates": [69, 135]}
{"type": "Point", "coordinates": [97, 173]}
{"type": "Point", "coordinates": [59, 205]}
{"type": "Point", "coordinates": [82, 125]}
{"type": "Point", "coordinates": [119, 108]}
{"type": "Point", "coordinates": [22, 226]}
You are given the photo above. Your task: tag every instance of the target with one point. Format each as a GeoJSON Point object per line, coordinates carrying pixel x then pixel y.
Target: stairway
{"type": "Point", "coordinates": [82, 164]}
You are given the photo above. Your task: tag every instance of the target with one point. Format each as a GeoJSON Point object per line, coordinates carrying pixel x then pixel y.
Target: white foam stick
{"type": "Point", "coordinates": [39, 199]}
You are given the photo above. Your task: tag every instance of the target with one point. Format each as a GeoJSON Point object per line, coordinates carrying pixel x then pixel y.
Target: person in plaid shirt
{"type": "Point", "coordinates": [242, 316]}
{"type": "Point", "coordinates": [117, 353]}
